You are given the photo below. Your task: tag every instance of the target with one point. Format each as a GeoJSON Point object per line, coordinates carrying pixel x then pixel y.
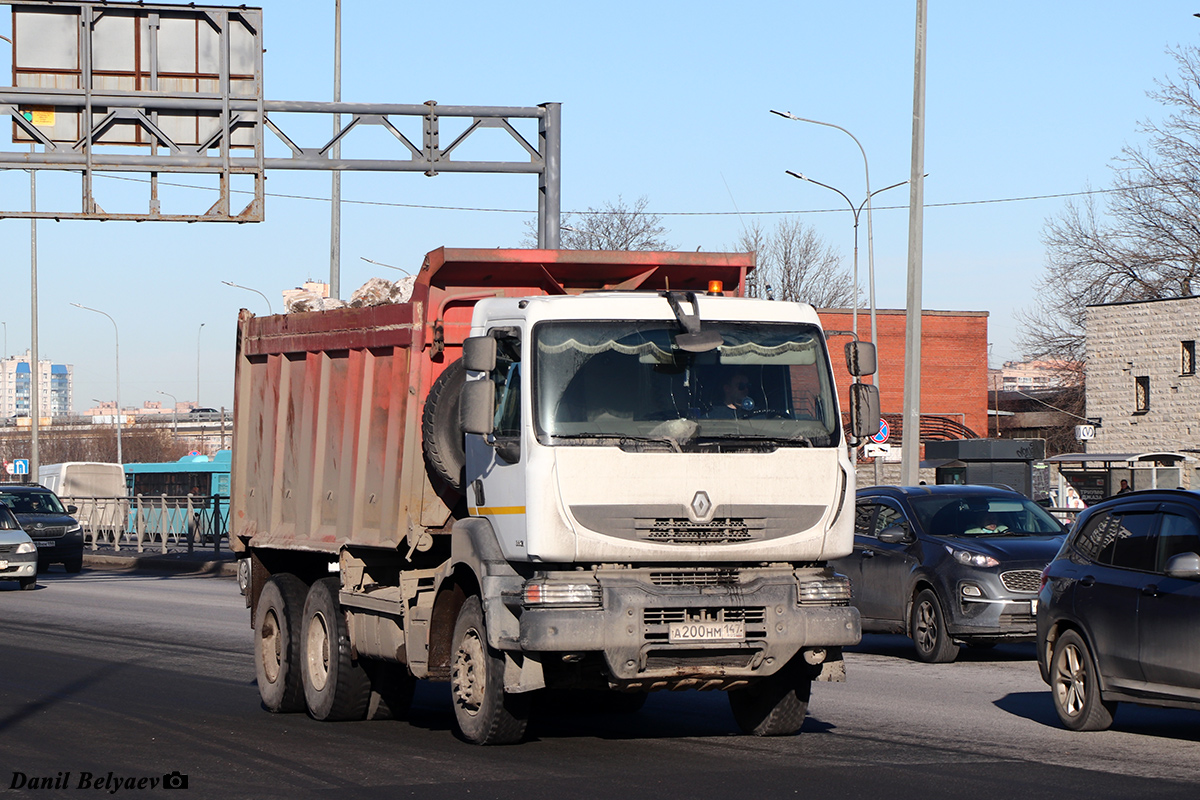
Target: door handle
{"type": "Point", "coordinates": [868, 553]}
{"type": "Point", "coordinates": [1150, 590]}
{"type": "Point", "coordinates": [1087, 580]}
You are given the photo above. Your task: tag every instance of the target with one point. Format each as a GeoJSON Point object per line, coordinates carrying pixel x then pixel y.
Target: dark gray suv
{"type": "Point", "coordinates": [949, 564]}
{"type": "Point", "coordinates": [1119, 612]}
{"type": "Point", "coordinates": [58, 535]}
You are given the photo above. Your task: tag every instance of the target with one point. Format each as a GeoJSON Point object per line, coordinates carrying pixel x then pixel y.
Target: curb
{"type": "Point", "coordinates": [182, 563]}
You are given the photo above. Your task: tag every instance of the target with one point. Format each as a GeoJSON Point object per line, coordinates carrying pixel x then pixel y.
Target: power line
{"type": "Point", "coordinates": [484, 209]}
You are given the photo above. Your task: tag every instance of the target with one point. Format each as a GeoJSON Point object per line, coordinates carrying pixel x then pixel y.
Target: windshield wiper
{"type": "Point", "coordinates": [623, 438]}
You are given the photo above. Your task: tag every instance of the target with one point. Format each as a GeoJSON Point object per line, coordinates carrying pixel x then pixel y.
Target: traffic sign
{"type": "Point", "coordinates": [20, 466]}
{"type": "Point", "coordinates": [884, 432]}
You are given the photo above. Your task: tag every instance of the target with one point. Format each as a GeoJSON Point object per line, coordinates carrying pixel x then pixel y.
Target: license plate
{"type": "Point", "coordinates": [1033, 606]}
{"type": "Point", "coordinates": [44, 542]}
{"type": "Point", "coordinates": [707, 632]}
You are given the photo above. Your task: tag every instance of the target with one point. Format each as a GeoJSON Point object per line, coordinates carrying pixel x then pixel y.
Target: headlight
{"type": "Point", "coordinates": [834, 590]}
{"type": "Point", "coordinates": [26, 547]}
{"type": "Point", "coordinates": [971, 559]}
{"type": "Point", "coordinates": [76, 528]}
{"type": "Point", "coordinates": [544, 593]}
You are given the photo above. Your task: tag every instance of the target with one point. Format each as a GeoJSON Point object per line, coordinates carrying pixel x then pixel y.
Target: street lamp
{"type": "Point", "coordinates": [117, 361]}
{"type": "Point", "coordinates": [174, 412]}
{"type": "Point", "coordinates": [855, 210]}
{"type": "Point", "coordinates": [381, 264]}
{"type": "Point", "coordinates": [870, 237]}
{"type": "Point", "coordinates": [256, 291]}
{"type": "Point", "coordinates": [199, 331]}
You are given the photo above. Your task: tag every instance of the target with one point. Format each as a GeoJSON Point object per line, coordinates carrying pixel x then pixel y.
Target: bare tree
{"type": "Point", "coordinates": [1147, 244]}
{"type": "Point", "coordinates": [795, 264]}
{"type": "Point", "coordinates": [616, 226]}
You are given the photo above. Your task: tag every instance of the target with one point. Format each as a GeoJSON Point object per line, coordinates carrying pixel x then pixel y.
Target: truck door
{"type": "Point", "coordinates": [497, 491]}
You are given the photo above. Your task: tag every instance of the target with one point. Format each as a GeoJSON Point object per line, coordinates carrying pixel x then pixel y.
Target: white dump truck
{"type": "Point", "coordinates": [548, 470]}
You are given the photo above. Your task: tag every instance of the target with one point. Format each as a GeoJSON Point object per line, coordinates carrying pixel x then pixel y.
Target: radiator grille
{"type": "Point", "coordinates": [684, 531]}
{"type": "Point", "coordinates": [1024, 581]}
{"type": "Point", "coordinates": [46, 533]}
{"type": "Point", "coordinates": [665, 616]}
{"type": "Point", "coordinates": [704, 577]}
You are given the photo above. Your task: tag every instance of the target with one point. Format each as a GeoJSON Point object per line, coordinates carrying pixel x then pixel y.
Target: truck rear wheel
{"type": "Point", "coordinates": [277, 646]}
{"type": "Point", "coordinates": [483, 711]}
{"type": "Point", "coordinates": [774, 706]}
{"type": "Point", "coordinates": [441, 435]}
{"type": "Point", "coordinates": [335, 686]}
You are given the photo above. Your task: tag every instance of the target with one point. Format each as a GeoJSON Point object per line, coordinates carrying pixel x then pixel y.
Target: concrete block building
{"type": "Point", "coordinates": [16, 383]}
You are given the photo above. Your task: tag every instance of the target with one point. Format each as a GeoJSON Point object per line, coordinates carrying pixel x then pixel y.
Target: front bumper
{"type": "Point", "coordinates": [18, 566]}
{"type": "Point", "coordinates": [981, 606]}
{"type": "Point", "coordinates": [632, 628]}
{"type": "Point", "coordinates": [59, 549]}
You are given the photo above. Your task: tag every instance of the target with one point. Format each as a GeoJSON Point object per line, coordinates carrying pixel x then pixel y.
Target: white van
{"type": "Point", "coordinates": [96, 489]}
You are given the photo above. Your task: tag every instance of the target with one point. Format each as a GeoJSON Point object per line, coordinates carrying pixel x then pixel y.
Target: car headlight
{"type": "Point", "coordinates": [76, 528]}
{"type": "Point", "coordinates": [26, 547]}
{"type": "Point", "coordinates": [542, 593]}
{"type": "Point", "coordinates": [972, 559]}
{"type": "Point", "coordinates": [834, 590]}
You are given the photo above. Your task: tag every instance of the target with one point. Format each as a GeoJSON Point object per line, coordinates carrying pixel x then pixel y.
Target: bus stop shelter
{"type": "Point", "coordinates": [1097, 476]}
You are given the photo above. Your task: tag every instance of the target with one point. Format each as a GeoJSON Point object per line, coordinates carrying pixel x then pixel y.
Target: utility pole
{"type": "Point", "coordinates": [910, 460]}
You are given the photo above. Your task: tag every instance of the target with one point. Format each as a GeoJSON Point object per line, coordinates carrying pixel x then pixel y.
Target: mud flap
{"type": "Point", "coordinates": [522, 673]}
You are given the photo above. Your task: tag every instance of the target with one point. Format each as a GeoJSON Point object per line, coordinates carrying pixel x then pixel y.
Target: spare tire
{"type": "Point", "coordinates": [441, 435]}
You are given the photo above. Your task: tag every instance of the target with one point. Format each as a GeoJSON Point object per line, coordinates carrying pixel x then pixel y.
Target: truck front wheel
{"type": "Point", "coordinates": [277, 645]}
{"type": "Point", "coordinates": [483, 711]}
{"type": "Point", "coordinates": [773, 706]}
{"type": "Point", "coordinates": [335, 686]}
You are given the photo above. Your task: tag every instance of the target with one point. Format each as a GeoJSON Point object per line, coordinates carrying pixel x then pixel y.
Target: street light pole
{"type": "Point", "coordinates": [174, 413]}
{"type": "Point", "coordinates": [199, 331]}
{"type": "Point", "coordinates": [856, 211]}
{"type": "Point", "coordinates": [256, 291]}
{"type": "Point", "coordinates": [117, 361]}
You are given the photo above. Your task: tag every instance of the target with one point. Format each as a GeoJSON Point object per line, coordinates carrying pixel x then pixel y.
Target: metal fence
{"type": "Point", "coordinates": [167, 523]}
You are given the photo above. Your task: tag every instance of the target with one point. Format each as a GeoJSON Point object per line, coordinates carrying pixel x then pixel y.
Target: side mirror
{"type": "Point", "coordinates": [893, 534]}
{"type": "Point", "coordinates": [864, 410]}
{"type": "Point", "coordinates": [72, 509]}
{"type": "Point", "coordinates": [1184, 565]}
{"type": "Point", "coordinates": [479, 353]}
{"type": "Point", "coordinates": [860, 358]}
{"type": "Point", "coordinates": [478, 406]}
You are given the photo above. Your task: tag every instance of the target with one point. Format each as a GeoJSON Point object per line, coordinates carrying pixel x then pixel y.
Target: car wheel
{"type": "Point", "coordinates": [483, 711]}
{"type": "Point", "coordinates": [775, 705]}
{"type": "Point", "coordinates": [74, 565]}
{"type": "Point", "coordinates": [277, 645]}
{"type": "Point", "coordinates": [28, 584]}
{"type": "Point", "coordinates": [336, 686]}
{"type": "Point", "coordinates": [927, 627]}
{"type": "Point", "coordinates": [243, 575]}
{"type": "Point", "coordinates": [1075, 685]}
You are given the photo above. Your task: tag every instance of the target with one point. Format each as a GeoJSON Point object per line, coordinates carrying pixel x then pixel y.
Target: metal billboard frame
{"type": "Point", "coordinates": [242, 123]}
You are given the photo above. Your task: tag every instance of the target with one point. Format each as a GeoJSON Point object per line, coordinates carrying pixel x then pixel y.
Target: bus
{"type": "Point", "coordinates": [175, 498]}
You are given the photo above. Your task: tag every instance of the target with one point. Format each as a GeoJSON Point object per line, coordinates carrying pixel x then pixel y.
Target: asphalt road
{"type": "Point", "coordinates": [142, 675]}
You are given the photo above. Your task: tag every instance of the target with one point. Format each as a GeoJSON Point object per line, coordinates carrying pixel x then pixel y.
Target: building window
{"type": "Point", "coordinates": [1142, 395]}
{"type": "Point", "coordinates": [1187, 364]}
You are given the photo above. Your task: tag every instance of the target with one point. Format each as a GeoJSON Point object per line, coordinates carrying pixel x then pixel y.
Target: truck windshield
{"type": "Point", "coordinates": [612, 382]}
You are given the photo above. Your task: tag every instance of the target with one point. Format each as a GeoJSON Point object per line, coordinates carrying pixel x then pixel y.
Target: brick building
{"type": "Point", "coordinates": [954, 367]}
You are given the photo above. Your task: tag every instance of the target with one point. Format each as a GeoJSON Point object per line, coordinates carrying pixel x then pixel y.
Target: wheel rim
{"type": "Point", "coordinates": [469, 674]}
{"type": "Point", "coordinates": [927, 626]}
{"type": "Point", "coordinates": [318, 652]}
{"type": "Point", "coordinates": [272, 646]}
{"type": "Point", "coordinates": [1070, 680]}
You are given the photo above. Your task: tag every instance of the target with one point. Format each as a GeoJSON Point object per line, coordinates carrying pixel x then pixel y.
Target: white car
{"type": "Point", "coordinates": [18, 555]}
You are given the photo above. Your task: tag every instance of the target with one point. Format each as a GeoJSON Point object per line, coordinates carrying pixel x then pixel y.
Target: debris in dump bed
{"type": "Point", "coordinates": [379, 292]}
{"type": "Point", "coordinates": [375, 292]}
{"type": "Point", "coordinates": [311, 301]}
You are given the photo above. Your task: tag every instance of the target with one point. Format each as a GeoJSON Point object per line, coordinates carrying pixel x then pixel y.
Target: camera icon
{"type": "Point", "coordinates": [174, 780]}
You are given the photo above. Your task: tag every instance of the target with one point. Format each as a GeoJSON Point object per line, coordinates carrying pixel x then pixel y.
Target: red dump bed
{"type": "Point", "coordinates": [327, 404]}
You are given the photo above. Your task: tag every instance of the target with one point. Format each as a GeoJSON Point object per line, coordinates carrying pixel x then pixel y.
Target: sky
{"type": "Point", "coordinates": [1027, 102]}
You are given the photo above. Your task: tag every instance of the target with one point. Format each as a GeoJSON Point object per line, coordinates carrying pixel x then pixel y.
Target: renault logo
{"type": "Point", "coordinates": [701, 508]}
